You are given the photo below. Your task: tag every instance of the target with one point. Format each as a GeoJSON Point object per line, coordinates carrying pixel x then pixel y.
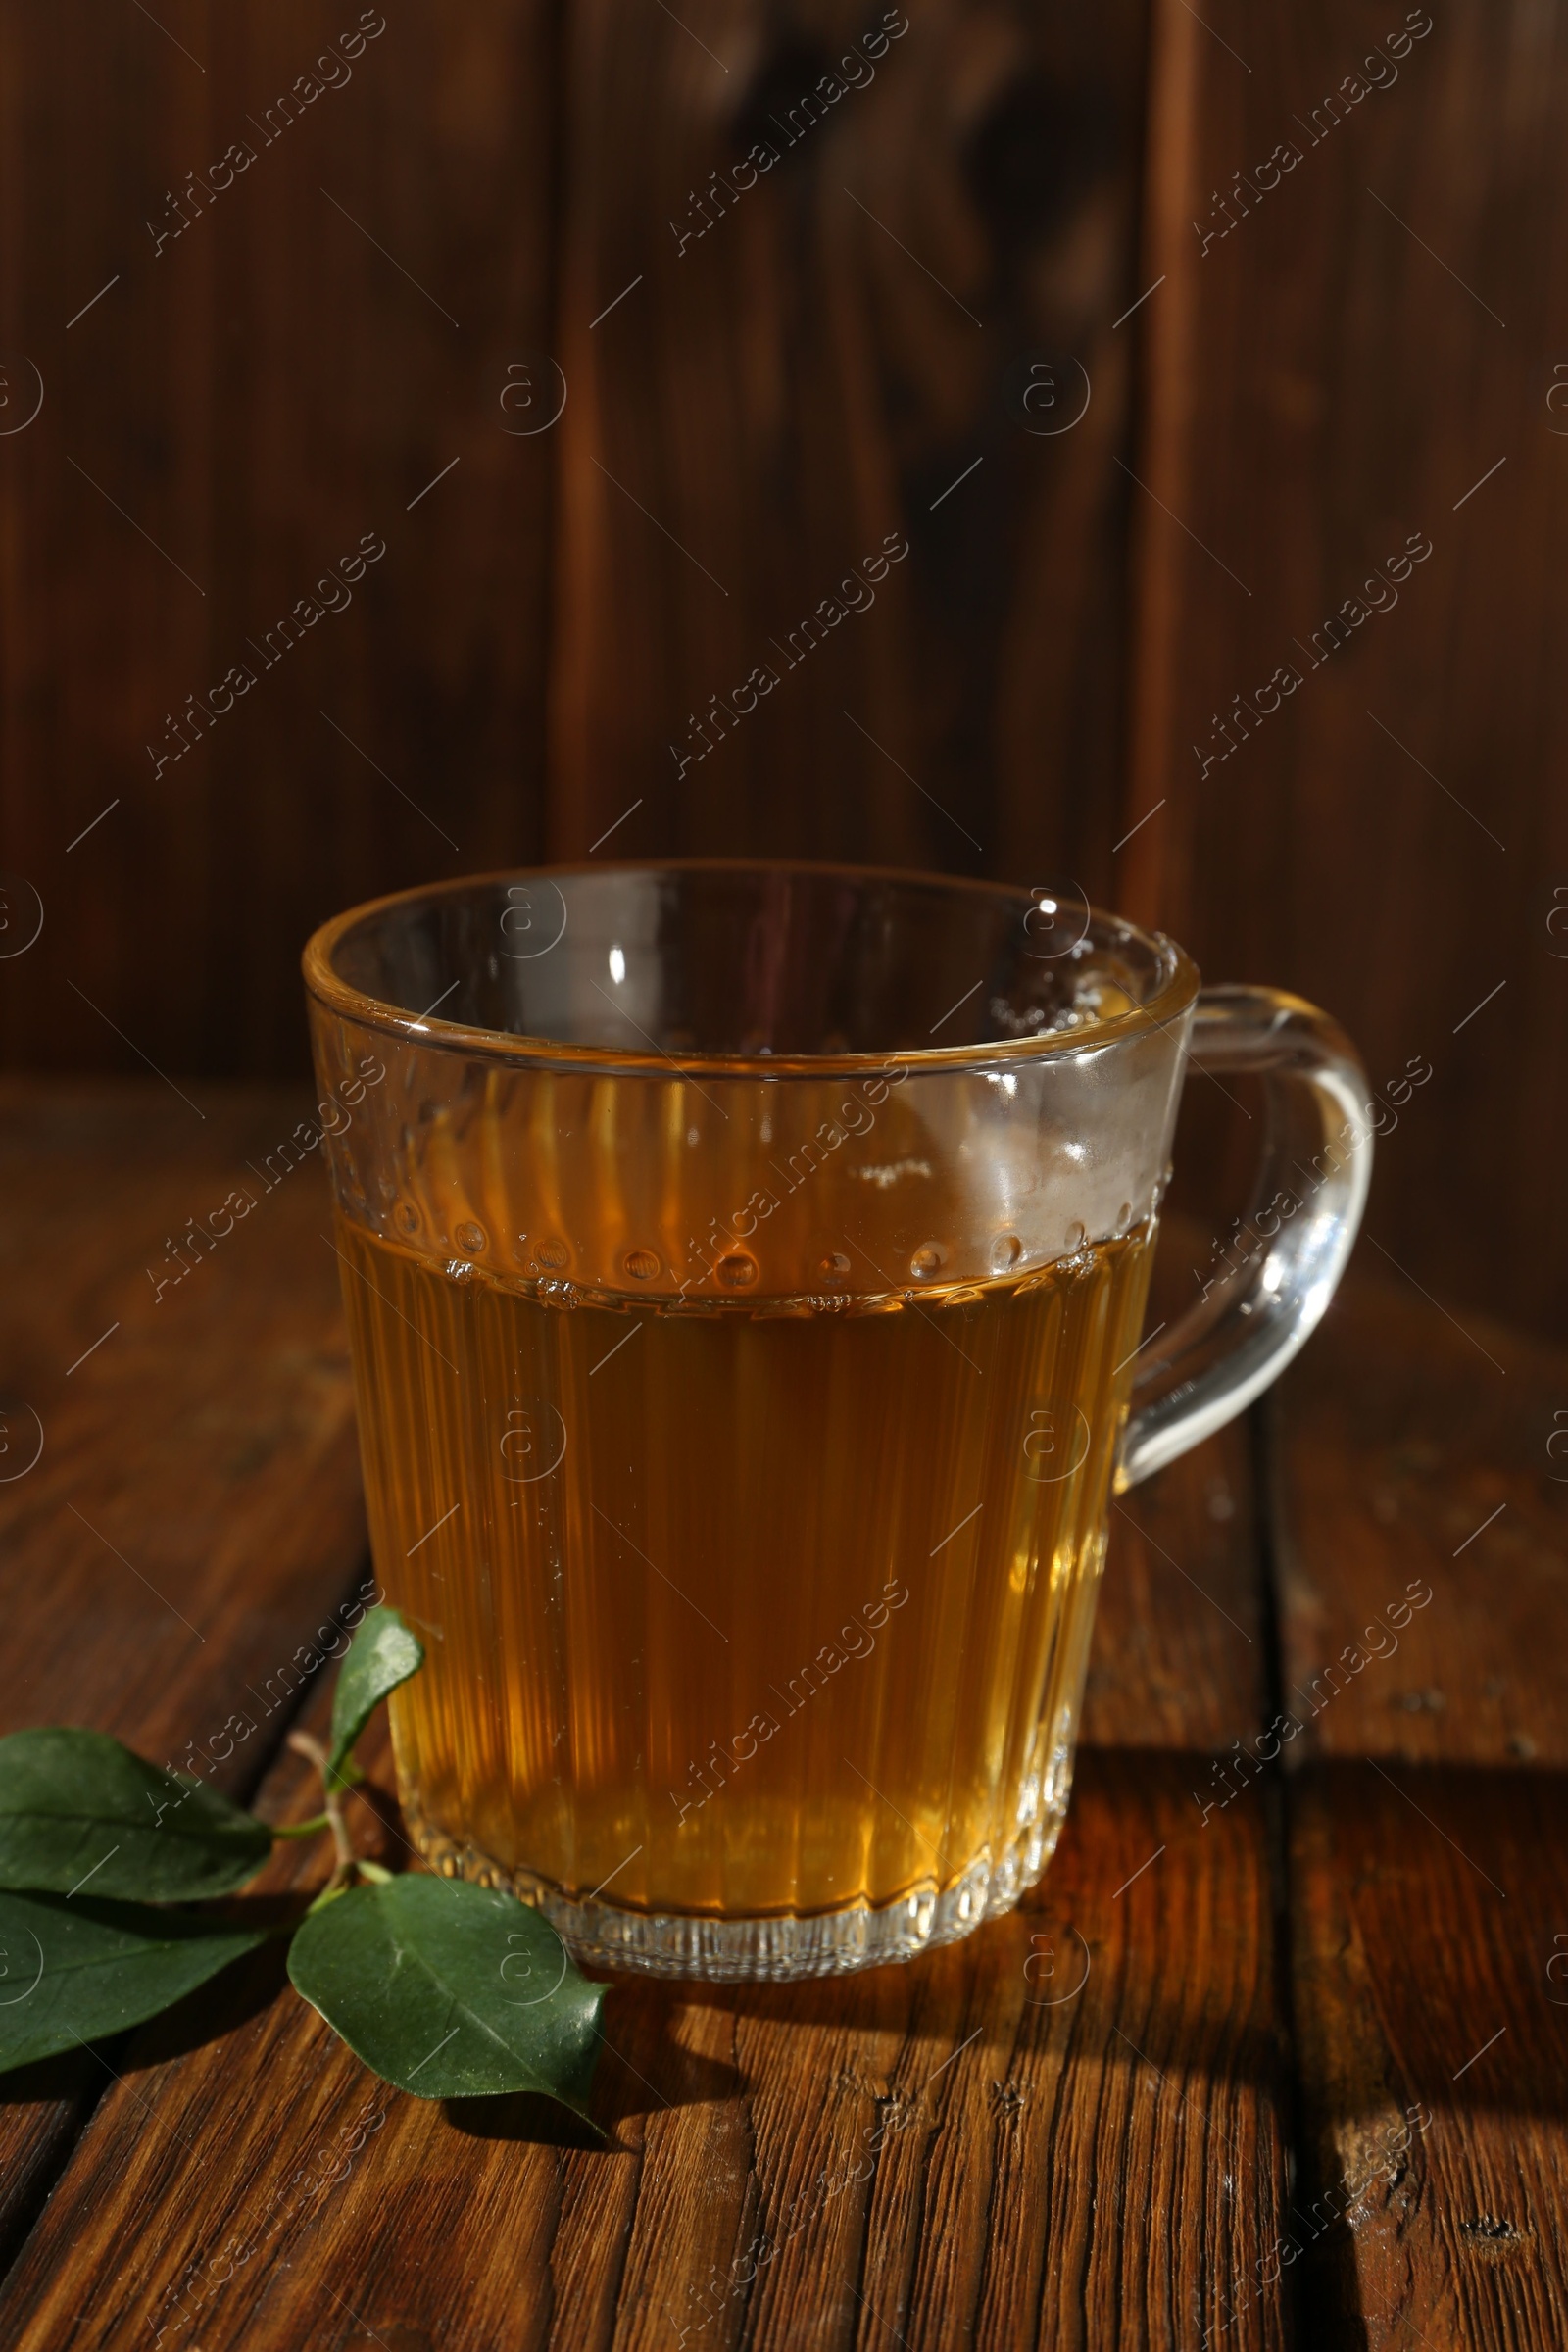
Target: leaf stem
{"type": "Point", "coordinates": [305, 1745]}
{"type": "Point", "coordinates": [304, 1828]}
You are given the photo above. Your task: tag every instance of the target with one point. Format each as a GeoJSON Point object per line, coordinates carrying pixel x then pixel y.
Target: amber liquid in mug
{"type": "Point", "coordinates": [732, 1612]}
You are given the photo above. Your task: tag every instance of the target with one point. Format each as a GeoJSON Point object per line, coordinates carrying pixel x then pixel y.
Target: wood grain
{"type": "Point", "coordinates": [1328, 375]}
{"type": "Point", "coordinates": [194, 1515]}
{"type": "Point", "coordinates": [1181, 1643]}
{"type": "Point", "coordinates": [189, 1439]}
{"type": "Point", "coordinates": [1423, 1451]}
{"type": "Point", "coordinates": [395, 268]}
{"type": "Point", "coordinates": [1429, 1837]}
{"type": "Point", "coordinates": [107, 545]}
{"type": "Point", "coordinates": [1430, 1903]}
{"type": "Point", "coordinates": [906, 2150]}
{"type": "Point", "coordinates": [751, 406]}
{"type": "Point", "coordinates": [823, 363]}
{"type": "Point", "coordinates": [268, 385]}
{"type": "Point", "coordinates": [738, 2200]}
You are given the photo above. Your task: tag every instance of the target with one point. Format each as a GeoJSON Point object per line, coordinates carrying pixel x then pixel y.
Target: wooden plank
{"type": "Point", "coordinates": [1429, 1908]}
{"type": "Point", "coordinates": [395, 249]}
{"type": "Point", "coordinates": [1424, 1603]}
{"type": "Point", "coordinates": [106, 550]}
{"type": "Point", "coordinates": [281, 369]}
{"type": "Point", "coordinates": [1180, 1646]}
{"type": "Point", "coordinates": [1426, 1451]}
{"type": "Point", "coordinates": [1327, 375]}
{"type": "Point", "coordinates": [196, 1499]}
{"type": "Point", "coordinates": [966, 2149]}
{"type": "Point", "coordinates": [194, 1514]}
{"type": "Point", "coordinates": [765, 383]}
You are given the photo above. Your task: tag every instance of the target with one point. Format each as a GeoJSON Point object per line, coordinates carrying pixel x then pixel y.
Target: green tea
{"type": "Point", "coordinates": [761, 1611]}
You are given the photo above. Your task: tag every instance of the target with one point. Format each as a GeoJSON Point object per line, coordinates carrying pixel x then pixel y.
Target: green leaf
{"type": "Point", "coordinates": [382, 1654]}
{"type": "Point", "coordinates": [451, 1990]}
{"type": "Point", "coordinates": [77, 1808]}
{"type": "Point", "coordinates": [72, 1971]}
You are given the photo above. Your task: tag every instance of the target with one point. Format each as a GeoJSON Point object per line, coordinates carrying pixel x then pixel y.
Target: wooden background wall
{"type": "Point", "coordinates": [348, 338]}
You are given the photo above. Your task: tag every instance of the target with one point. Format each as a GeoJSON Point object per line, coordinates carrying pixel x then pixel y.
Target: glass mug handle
{"type": "Point", "coordinates": [1258, 1306]}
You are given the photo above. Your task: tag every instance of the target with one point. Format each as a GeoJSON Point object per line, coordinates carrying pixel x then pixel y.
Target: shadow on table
{"type": "Point", "coordinates": [1153, 1941]}
{"type": "Point", "coordinates": [1431, 1909]}
{"type": "Point", "coordinates": [644, 2070]}
{"type": "Point", "coordinates": [1147, 1946]}
{"type": "Point", "coordinates": [1432, 1900]}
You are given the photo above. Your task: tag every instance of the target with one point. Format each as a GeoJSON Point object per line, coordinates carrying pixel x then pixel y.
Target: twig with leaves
{"type": "Point", "coordinates": [112, 1870]}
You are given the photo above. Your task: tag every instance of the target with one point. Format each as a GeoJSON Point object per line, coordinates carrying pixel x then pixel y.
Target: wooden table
{"type": "Point", "coordinates": [1289, 2067]}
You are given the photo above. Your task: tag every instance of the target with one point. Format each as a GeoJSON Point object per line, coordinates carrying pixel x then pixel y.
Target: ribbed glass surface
{"type": "Point", "coordinates": [739, 1609]}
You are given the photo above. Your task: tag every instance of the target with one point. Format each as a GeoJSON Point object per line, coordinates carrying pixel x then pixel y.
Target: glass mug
{"type": "Point", "coordinates": [745, 1269]}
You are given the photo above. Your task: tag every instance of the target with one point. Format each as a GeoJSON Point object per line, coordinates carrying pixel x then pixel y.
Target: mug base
{"type": "Point", "coordinates": [771, 1950]}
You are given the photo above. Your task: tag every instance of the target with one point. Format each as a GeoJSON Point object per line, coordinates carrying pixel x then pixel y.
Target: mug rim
{"type": "Point", "coordinates": [1176, 992]}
